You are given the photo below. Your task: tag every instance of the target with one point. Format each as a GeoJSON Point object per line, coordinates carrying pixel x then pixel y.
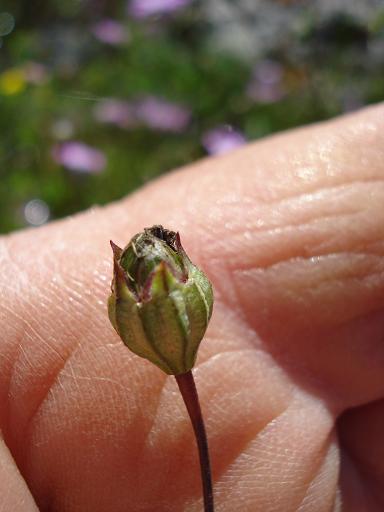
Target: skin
{"type": "Point", "coordinates": [290, 374]}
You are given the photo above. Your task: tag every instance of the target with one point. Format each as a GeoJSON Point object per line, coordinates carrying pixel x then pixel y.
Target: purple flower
{"type": "Point", "coordinates": [268, 72]}
{"type": "Point", "coordinates": [222, 139]}
{"type": "Point", "coordinates": [150, 111]}
{"type": "Point", "coordinates": [162, 115]}
{"type": "Point", "coordinates": [118, 112]}
{"type": "Point", "coordinates": [80, 157]}
{"type": "Point", "coordinates": [143, 8]}
{"type": "Point", "coordinates": [110, 32]}
{"type": "Point", "coordinates": [266, 83]}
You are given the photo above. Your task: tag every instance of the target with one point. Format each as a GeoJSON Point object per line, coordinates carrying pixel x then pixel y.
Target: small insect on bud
{"type": "Point", "coordinates": [160, 303]}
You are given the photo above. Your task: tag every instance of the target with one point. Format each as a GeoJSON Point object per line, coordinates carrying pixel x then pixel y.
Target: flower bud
{"type": "Point", "coordinates": [160, 303]}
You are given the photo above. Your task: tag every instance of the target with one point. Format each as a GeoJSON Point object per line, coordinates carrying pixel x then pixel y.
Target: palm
{"type": "Point", "coordinates": [290, 233]}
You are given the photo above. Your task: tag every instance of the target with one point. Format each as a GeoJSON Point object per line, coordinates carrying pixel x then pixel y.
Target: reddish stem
{"type": "Point", "coordinates": [188, 391]}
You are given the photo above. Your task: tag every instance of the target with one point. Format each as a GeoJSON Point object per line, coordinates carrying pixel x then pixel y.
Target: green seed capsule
{"type": "Point", "coordinates": [160, 303]}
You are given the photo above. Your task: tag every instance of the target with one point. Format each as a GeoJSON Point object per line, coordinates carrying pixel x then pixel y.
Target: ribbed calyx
{"type": "Point", "coordinates": [160, 303]}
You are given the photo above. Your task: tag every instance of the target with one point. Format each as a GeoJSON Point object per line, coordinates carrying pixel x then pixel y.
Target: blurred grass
{"type": "Point", "coordinates": [329, 66]}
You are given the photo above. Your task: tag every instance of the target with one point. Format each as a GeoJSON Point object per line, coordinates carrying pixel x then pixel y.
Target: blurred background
{"type": "Point", "coordinates": [99, 96]}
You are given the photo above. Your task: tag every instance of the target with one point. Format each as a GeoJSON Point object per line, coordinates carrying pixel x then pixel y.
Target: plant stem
{"type": "Point", "coordinates": [188, 391]}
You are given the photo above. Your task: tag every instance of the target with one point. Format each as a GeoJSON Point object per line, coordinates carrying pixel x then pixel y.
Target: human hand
{"type": "Point", "coordinates": [290, 374]}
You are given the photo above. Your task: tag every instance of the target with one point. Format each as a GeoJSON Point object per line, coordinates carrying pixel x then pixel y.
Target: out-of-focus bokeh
{"type": "Point", "coordinates": [99, 96]}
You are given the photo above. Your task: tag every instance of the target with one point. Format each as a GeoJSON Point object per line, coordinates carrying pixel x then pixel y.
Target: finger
{"type": "Point", "coordinates": [292, 464]}
{"type": "Point", "coordinates": [295, 245]}
{"type": "Point", "coordinates": [82, 408]}
{"type": "Point", "coordinates": [307, 214]}
{"type": "Point", "coordinates": [14, 492]}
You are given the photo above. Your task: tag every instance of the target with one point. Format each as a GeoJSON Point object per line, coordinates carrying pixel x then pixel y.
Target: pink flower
{"type": "Point", "coordinates": [222, 139]}
{"type": "Point", "coordinates": [268, 72]}
{"type": "Point", "coordinates": [162, 115]}
{"type": "Point", "coordinates": [118, 112]}
{"type": "Point", "coordinates": [80, 157]}
{"type": "Point", "coordinates": [266, 85]}
{"type": "Point", "coordinates": [110, 32]}
{"type": "Point", "coordinates": [143, 8]}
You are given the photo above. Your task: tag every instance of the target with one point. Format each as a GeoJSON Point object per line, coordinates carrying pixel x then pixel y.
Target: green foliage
{"type": "Point", "coordinates": [328, 66]}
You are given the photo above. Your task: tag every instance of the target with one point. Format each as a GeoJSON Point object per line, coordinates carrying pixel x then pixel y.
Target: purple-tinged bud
{"type": "Point", "coordinates": [160, 303]}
